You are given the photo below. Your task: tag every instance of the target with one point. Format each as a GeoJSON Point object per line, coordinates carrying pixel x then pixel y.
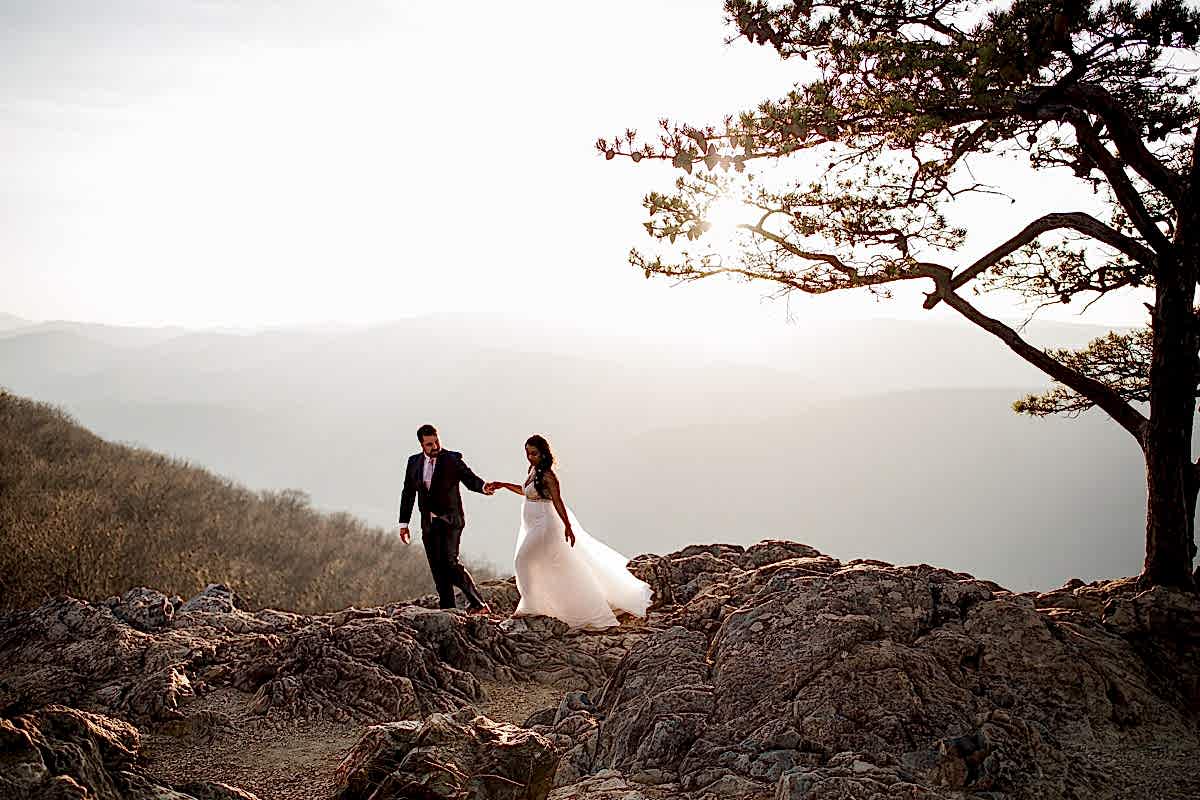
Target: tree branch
{"type": "Point", "coordinates": [1126, 193]}
{"type": "Point", "coordinates": [1126, 135]}
{"type": "Point", "coordinates": [1101, 395]}
{"type": "Point", "coordinates": [827, 258]}
{"type": "Point", "coordinates": [1074, 220]}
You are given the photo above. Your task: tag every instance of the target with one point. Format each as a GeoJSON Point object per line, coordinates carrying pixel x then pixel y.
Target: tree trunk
{"type": "Point", "coordinates": [1170, 473]}
{"type": "Point", "coordinates": [1192, 491]}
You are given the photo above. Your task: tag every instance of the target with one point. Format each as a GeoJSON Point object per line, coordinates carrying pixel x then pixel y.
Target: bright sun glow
{"type": "Point", "coordinates": [258, 164]}
{"type": "Point", "coordinates": [725, 214]}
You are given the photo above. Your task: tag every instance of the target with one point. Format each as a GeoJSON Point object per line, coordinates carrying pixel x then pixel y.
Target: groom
{"type": "Point", "coordinates": [432, 478]}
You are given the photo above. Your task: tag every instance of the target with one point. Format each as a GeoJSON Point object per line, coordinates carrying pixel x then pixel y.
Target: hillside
{"type": "Point", "coordinates": [89, 518]}
{"type": "Point", "coordinates": [773, 672]}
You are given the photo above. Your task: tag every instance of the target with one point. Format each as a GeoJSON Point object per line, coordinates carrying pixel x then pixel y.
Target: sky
{"type": "Point", "coordinates": [257, 164]}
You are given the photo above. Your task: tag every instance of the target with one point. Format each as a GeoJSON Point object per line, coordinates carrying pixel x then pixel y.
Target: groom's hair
{"type": "Point", "coordinates": [426, 430]}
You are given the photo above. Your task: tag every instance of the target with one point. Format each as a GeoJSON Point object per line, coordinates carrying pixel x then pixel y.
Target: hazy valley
{"type": "Point", "coordinates": [885, 439]}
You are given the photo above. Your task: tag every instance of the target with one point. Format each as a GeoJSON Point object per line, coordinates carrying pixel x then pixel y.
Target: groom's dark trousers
{"type": "Point", "coordinates": [442, 520]}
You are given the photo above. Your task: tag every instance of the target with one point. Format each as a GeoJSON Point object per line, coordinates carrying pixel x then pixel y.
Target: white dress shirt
{"type": "Point", "coordinates": [430, 463]}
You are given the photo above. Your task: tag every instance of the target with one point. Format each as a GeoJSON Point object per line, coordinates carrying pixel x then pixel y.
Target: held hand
{"type": "Point", "coordinates": [570, 536]}
{"type": "Point", "coordinates": [404, 534]}
{"type": "Point", "coordinates": [489, 488]}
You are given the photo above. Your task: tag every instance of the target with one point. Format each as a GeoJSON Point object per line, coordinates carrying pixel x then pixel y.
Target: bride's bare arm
{"type": "Point", "coordinates": [550, 480]}
{"type": "Point", "coordinates": [512, 487]}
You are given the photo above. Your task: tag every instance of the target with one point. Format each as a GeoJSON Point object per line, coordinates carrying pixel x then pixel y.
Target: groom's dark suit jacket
{"type": "Point", "coordinates": [442, 498]}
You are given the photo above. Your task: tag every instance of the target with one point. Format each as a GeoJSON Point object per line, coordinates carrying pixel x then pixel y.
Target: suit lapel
{"type": "Point", "coordinates": [418, 477]}
{"type": "Point", "coordinates": [437, 469]}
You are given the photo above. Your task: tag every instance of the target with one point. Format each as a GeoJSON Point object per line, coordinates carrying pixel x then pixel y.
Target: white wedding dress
{"type": "Point", "coordinates": [580, 585]}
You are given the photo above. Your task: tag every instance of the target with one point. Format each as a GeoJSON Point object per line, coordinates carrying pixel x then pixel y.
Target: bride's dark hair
{"type": "Point", "coordinates": [545, 462]}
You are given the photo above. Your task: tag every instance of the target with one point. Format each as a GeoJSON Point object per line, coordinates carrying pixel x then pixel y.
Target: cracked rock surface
{"type": "Point", "coordinates": [773, 671]}
{"type": "Point", "coordinates": [60, 752]}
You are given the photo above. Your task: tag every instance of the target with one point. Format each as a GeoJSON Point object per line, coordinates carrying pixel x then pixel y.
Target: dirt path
{"type": "Point", "coordinates": [292, 762]}
{"type": "Point", "coordinates": [516, 702]}
{"type": "Point", "coordinates": [230, 745]}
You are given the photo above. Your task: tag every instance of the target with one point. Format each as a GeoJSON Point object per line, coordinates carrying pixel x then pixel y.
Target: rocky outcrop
{"type": "Point", "coordinates": [772, 671]}
{"type": "Point", "coordinates": [805, 677]}
{"type": "Point", "coordinates": [144, 657]}
{"type": "Point", "coordinates": [120, 658]}
{"type": "Point", "coordinates": [448, 755]}
{"type": "Point", "coordinates": [59, 752]}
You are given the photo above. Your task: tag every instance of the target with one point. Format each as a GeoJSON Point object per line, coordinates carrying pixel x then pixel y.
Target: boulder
{"type": "Point", "coordinates": [60, 752]}
{"type": "Point", "coordinates": [448, 756]}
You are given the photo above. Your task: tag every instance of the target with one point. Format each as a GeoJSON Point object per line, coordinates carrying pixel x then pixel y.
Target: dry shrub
{"type": "Point", "coordinates": [89, 518]}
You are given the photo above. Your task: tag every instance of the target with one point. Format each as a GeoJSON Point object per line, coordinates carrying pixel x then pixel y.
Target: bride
{"type": "Point", "coordinates": [563, 572]}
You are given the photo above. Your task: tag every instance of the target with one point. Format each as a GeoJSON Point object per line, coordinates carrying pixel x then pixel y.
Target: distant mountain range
{"type": "Point", "coordinates": [8, 322]}
{"type": "Point", "coordinates": [889, 438]}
